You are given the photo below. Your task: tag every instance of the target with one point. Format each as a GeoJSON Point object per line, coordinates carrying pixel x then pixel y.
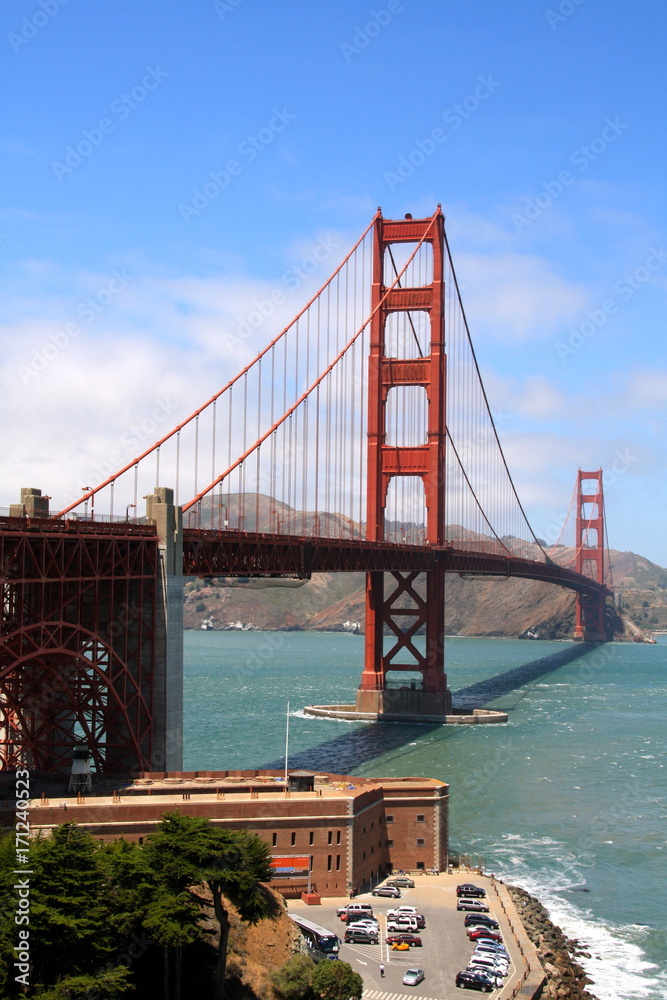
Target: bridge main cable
{"type": "Point", "coordinates": [196, 413]}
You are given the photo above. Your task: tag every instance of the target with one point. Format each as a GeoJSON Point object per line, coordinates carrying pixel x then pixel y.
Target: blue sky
{"type": "Point", "coordinates": [540, 127]}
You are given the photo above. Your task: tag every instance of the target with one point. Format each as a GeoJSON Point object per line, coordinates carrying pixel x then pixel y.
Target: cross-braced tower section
{"type": "Point", "coordinates": [590, 535]}
{"type": "Point", "coordinates": [406, 460]}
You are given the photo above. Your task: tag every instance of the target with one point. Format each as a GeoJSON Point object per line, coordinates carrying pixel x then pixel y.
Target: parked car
{"type": "Point", "coordinates": [370, 925]}
{"type": "Point", "coordinates": [500, 953]}
{"type": "Point", "coordinates": [360, 935]}
{"type": "Point", "coordinates": [402, 924]}
{"type": "Point", "coordinates": [354, 910]}
{"type": "Point", "coordinates": [400, 946]}
{"type": "Point", "coordinates": [480, 920]}
{"type": "Point", "coordinates": [470, 903]}
{"type": "Point", "coordinates": [498, 956]}
{"type": "Point", "coordinates": [479, 932]}
{"type": "Point", "coordinates": [411, 939]}
{"type": "Point", "coordinates": [489, 965]}
{"type": "Point", "coordinates": [402, 881]}
{"type": "Point", "coordinates": [413, 976]}
{"type": "Point", "coordinates": [467, 889]}
{"type": "Point", "coordinates": [387, 890]}
{"type": "Point", "coordinates": [467, 980]}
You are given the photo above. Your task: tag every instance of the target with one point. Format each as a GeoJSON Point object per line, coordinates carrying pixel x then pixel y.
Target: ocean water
{"type": "Point", "coordinates": [568, 799]}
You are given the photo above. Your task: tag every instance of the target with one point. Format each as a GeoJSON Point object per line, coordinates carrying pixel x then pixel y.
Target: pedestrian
{"type": "Point", "coordinates": [381, 971]}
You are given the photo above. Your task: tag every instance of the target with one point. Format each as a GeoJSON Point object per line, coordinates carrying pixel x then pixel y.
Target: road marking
{"type": "Point", "coordinates": [380, 995]}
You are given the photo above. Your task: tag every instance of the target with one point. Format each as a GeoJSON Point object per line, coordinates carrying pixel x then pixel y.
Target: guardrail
{"type": "Point", "coordinates": [529, 955]}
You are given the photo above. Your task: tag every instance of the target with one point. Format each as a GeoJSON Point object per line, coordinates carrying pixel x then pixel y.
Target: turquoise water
{"type": "Point", "coordinates": [569, 795]}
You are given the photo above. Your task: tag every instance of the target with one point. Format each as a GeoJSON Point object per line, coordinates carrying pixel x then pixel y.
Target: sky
{"type": "Point", "coordinates": [165, 165]}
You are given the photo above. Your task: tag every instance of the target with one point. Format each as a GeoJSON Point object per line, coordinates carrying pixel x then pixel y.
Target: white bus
{"type": "Point", "coordinates": [322, 942]}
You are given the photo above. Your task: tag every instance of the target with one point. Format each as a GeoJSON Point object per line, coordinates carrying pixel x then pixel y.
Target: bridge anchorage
{"type": "Point", "coordinates": [360, 439]}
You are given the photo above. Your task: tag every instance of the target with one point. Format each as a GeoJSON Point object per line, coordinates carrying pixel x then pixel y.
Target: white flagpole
{"type": "Point", "coordinates": [286, 742]}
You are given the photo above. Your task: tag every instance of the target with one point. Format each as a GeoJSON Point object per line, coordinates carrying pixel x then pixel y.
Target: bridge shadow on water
{"type": "Point", "coordinates": [480, 694]}
{"type": "Point", "coordinates": [351, 750]}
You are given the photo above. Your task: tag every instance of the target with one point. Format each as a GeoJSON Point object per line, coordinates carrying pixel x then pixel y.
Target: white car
{"type": "Point", "coordinates": [406, 922]}
{"type": "Point", "coordinates": [401, 911]}
{"type": "Point", "coordinates": [479, 964]}
{"type": "Point", "coordinates": [496, 952]}
{"type": "Point", "coordinates": [367, 923]}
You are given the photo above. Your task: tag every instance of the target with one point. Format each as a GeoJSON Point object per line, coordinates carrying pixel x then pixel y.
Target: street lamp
{"type": "Point", "coordinates": [88, 488]}
{"type": "Point", "coordinates": [225, 522]}
{"type": "Point", "coordinates": [242, 517]}
{"type": "Point", "coordinates": [277, 513]}
{"type": "Point", "coordinates": [127, 510]}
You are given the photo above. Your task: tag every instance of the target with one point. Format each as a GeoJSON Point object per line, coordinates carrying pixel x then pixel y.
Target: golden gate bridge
{"type": "Point", "coordinates": [359, 439]}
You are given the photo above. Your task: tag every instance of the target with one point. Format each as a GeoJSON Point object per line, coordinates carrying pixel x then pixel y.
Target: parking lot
{"type": "Point", "coordinates": [445, 945]}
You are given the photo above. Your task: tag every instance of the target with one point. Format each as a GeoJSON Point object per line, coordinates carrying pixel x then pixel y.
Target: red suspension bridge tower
{"type": "Point", "coordinates": [392, 602]}
{"type": "Point", "coordinates": [589, 542]}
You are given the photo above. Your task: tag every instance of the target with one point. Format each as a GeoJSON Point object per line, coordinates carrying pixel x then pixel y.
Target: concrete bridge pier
{"type": "Point", "coordinates": [167, 747]}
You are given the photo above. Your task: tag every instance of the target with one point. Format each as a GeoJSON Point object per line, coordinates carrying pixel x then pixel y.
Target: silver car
{"type": "Point", "coordinates": [413, 976]}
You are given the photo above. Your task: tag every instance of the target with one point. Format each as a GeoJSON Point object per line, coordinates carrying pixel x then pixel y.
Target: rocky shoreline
{"type": "Point", "coordinates": [566, 980]}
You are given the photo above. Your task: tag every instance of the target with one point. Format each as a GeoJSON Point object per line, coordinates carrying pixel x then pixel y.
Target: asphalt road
{"type": "Point", "coordinates": [445, 950]}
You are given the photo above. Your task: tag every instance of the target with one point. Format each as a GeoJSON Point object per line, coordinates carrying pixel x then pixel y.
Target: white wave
{"type": "Point", "coordinates": [618, 967]}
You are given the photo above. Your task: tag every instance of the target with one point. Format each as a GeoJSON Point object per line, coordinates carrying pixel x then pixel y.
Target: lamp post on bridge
{"type": "Point", "coordinates": [278, 520]}
{"type": "Point", "coordinates": [316, 522]}
{"type": "Point", "coordinates": [225, 521]}
{"type": "Point", "coordinates": [127, 510]}
{"type": "Point", "coordinates": [92, 499]}
{"type": "Point", "coordinates": [242, 517]}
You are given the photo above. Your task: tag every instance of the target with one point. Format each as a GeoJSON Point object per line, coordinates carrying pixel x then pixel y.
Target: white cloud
{"type": "Point", "coordinates": [517, 297]}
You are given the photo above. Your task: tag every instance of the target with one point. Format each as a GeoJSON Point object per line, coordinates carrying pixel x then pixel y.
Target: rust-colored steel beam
{"type": "Point", "coordinates": [241, 553]}
{"type": "Point", "coordinates": [77, 655]}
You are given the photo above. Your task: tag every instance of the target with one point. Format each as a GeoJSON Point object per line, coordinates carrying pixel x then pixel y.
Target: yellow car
{"type": "Point", "coordinates": [400, 946]}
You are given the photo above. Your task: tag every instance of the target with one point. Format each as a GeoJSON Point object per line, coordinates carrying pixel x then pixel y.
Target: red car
{"type": "Point", "coordinates": [474, 933]}
{"type": "Point", "coordinates": [412, 939]}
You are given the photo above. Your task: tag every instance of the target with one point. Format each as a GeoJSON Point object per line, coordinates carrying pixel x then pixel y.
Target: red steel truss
{"type": "Point", "coordinates": [77, 655]}
{"type": "Point", "coordinates": [401, 611]}
{"type": "Point", "coordinates": [590, 608]}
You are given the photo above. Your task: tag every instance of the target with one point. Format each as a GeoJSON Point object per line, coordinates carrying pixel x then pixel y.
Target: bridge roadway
{"type": "Point", "coordinates": [242, 553]}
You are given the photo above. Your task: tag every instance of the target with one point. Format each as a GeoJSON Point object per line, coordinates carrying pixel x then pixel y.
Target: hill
{"type": "Point", "coordinates": [474, 606]}
{"type": "Point", "coordinates": [335, 601]}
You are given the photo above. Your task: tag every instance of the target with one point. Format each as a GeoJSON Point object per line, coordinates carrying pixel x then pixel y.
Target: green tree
{"type": "Point", "coordinates": [294, 979]}
{"type": "Point", "coordinates": [189, 850]}
{"type": "Point", "coordinates": [337, 981]}
{"type": "Point", "coordinates": [110, 984]}
{"type": "Point", "coordinates": [172, 921]}
{"type": "Point", "coordinates": [69, 907]}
